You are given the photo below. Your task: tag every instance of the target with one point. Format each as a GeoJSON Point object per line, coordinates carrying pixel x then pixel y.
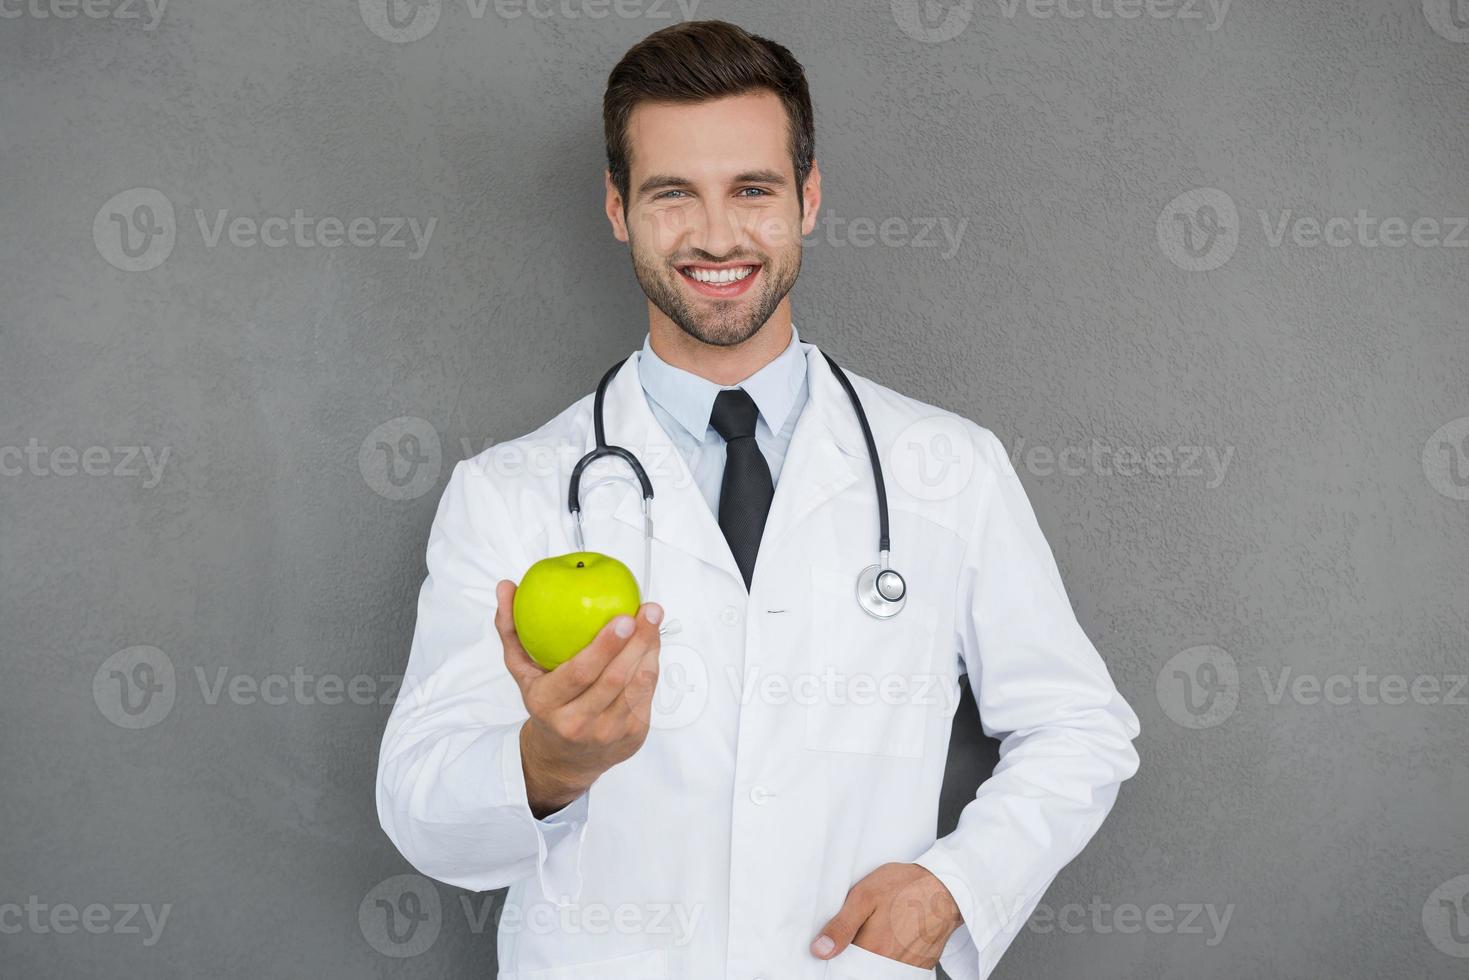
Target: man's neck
{"type": "Point", "coordinates": [722, 365]}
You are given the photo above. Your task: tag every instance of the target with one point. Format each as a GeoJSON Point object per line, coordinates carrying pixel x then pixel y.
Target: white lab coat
{"type": "Point", "coordinates": [775, 776]}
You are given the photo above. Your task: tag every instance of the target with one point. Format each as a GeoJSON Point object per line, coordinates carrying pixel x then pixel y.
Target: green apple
{"type": "Point", "coordinates": [562, 603]}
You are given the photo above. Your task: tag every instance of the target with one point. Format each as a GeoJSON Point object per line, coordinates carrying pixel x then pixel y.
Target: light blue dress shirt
{"type": "Point", "coordinates": [682, 403]}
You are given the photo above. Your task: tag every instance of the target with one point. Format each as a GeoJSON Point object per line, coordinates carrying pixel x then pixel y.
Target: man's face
{"type": "Point", "coordinates": [712, 217]}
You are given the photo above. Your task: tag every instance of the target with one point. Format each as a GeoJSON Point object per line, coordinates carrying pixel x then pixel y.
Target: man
{"type": "Point", "coordinates": [756, 796]}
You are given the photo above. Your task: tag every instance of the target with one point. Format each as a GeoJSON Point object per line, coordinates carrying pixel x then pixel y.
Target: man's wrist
{"type": "Point", "coordinates": [940, 902]}
{"type": "Point", "coordinates": [546, 789]}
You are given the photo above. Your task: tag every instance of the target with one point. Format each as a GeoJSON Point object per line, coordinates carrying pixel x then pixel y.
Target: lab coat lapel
{"type": "Point", "coordinates": [827, 454]}
{"type": "Point", "coordinates": [681, 516]}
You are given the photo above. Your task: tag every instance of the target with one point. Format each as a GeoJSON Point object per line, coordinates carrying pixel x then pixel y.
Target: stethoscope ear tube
{"type": "Point", "coordinates": [872, 458]}
{"type": "Point", "coordinates": [573, 501]}
{"type": "Point", "coordinates": [881, 591]}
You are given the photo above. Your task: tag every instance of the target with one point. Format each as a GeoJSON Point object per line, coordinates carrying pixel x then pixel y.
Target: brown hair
{"type": "Point", "coordinates": [696, 61]}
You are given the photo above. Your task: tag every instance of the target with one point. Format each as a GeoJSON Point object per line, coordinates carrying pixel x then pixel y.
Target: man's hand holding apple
{"type": "Point", "coordinates": [591, 712]}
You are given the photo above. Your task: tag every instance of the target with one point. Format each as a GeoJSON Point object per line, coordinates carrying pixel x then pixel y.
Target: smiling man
{"type": "Point", "coordinates": [757, 797]}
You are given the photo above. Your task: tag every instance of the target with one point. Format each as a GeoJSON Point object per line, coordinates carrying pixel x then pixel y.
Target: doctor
{"type": "Point", "coordinates": [743, 781]}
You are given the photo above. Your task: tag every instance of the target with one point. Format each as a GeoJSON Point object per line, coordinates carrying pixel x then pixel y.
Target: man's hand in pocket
{"type": "Point", "coordinates": [900, 911]}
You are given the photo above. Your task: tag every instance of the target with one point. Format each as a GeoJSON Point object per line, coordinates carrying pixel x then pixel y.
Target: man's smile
{"type": "Point", "coordinates": [725, 280]}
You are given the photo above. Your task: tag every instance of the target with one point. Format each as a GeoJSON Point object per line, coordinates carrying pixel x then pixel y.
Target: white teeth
{"type": "Point", "coordinates": [719, 276]}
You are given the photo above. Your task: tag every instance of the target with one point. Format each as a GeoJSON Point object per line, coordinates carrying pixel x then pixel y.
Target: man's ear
{"type": "Point", "coordinates": [811, 199]}
{"type": "Point", "coordinates": [614, 208]}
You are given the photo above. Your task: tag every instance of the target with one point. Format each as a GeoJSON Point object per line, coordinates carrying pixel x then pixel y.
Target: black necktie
{"type": "Point", "coordinates": [746, 492]}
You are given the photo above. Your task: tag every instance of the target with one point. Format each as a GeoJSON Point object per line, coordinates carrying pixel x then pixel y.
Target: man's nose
{"type": "Point", "coordinates": [719, 230]}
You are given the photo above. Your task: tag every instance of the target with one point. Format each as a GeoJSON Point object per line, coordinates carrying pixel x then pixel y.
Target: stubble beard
{"type": "Point", "coordinates": [719, 323]}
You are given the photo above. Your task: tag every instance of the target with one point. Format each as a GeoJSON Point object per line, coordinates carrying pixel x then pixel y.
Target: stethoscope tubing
{"type": "Point", "coordinates": [870, 595]}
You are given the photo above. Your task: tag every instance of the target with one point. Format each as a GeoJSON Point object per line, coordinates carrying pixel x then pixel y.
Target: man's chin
{"type": "Point", "coordinates": [718, 331]}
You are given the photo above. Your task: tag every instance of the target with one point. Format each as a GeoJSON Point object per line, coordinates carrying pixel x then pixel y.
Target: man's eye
{"type": "Point", "coordinates": [759, 191]}
{"type": "Point", "coordinates": [666, 195]}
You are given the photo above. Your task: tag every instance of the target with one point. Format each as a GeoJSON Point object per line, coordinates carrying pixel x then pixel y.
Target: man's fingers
{"type": "Point", "coordinates": [517, 661]}
{"type": "Point", "coordinates": [599, 675]}
{"type": "Point", "coordinates": [607, 691]}
{"type": "Point", "coordinates": [842, 929]}
{"type": "Point", "coordinates": [505, 610]}
{"type": "Point", "coordinates": [567, 682]}
{"type": "Point", "coordinates": [638, 695]}
{"type": "Point", "coordinates": [522, 668]}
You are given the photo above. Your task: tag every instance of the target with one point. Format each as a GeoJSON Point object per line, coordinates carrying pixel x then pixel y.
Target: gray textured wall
{"type": "Point", "coordinates": [1095, 228]}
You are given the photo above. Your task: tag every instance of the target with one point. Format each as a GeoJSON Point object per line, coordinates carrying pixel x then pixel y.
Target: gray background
{"type": "Point", "coordinates": [1073, 309]}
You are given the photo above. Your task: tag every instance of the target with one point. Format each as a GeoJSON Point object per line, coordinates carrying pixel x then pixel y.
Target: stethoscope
{"type": "Point", "coordinates": [881, 590]}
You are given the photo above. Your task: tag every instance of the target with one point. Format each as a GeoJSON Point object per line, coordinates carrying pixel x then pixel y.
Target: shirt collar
{"type": "Point", "coordinates": [690, 398]}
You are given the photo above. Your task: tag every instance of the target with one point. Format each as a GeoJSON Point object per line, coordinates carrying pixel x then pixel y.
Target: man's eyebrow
{"type": "Point", "coordinates": [761, 177]}
{"type": "Point", "coordinates": [658, 182]}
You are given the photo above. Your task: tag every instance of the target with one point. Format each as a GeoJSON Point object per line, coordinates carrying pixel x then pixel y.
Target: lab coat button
{"type": "Point", "coordinates": [729, 615]}
{"type": "Point", "coordinates": [759, 795]}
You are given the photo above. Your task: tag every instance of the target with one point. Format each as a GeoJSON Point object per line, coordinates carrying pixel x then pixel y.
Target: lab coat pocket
{"type": "Point", "coordinates": [856, 963]}
{"type": "Point", "coordinates": [650, 964]}
{"type": "Point", "coordinates": [870, 680]}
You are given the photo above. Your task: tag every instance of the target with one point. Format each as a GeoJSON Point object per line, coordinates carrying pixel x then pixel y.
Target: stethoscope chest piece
{"type": "Point", "coordinates": [881, 591]}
